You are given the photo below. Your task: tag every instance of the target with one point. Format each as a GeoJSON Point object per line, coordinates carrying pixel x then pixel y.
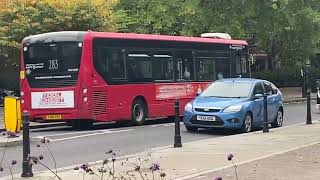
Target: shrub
{"type": "Point", "coordinates": [289, 76]}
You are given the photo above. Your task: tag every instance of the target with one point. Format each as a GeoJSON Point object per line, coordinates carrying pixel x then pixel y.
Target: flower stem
{"type": "Point", "coordinates": [11, 172]}
{"type": "Point", "coordinates": [50, 170]}
{"type": "Point", "coordinates": [235, 170]}
{"type": "Point", "coordinates": [4, 151]}
{"type": "Point", "coordinates": [54, 159]}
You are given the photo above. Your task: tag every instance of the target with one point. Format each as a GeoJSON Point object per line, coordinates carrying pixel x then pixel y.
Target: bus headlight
{"type": "Point", "coordinates": [85, 99]}
{"type": "Point", "coordinates": [85, 90]}
{"type": "Point", "coordinates": [188, 107]}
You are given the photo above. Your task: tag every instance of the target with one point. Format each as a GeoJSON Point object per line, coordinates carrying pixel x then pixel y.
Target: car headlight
{"type": "Point", "coordinates": [232, 109]}
{"type": "Point", "coordinates": [188, 107]}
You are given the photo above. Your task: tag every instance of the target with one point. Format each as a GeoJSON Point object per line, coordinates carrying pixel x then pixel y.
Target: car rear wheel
{"type": "Point", "coordinates": [278, 122]}
{"type": "Point", "coordinates": [247, 123]}
{"type": "Point", "coordinates": [138, 115]}
{"type": "Point", "coordinates": [191, 129]}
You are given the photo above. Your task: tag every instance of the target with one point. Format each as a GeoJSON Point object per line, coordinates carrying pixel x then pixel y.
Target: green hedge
{"type": "Point", "coordinates": [288, 76]}
{"type": "Point", "coordinates": [9, 78]}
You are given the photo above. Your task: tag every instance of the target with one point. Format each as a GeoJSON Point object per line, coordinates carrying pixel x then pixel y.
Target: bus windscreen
{"type": "Point", "coordinates": [52, 64]}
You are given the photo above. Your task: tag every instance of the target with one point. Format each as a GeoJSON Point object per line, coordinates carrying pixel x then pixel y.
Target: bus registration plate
{"type": "Point", "coordinates": [206, 118]}
{"type": "Point", "coordinates": [53, 117]}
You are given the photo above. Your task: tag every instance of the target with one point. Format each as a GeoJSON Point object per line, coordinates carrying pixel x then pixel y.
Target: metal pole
{"type": "Point", "coordinates": [177, 136]}
{"type": "Point", "coordinates": [26, 166]}
{"type": "Point", "coordinates": [309, 120]}
{"type": "Point", "coordinates": [265, 123]}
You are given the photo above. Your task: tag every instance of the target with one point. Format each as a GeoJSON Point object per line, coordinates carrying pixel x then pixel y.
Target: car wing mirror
{"type": "Point", "coordinates": [258, 96]}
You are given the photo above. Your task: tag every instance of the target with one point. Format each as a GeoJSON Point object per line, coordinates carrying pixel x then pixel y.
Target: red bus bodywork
{"type": "Point", "coordinates": [114, 102]}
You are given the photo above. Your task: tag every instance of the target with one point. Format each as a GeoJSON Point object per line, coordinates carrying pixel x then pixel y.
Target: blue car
{"type": "Point", "coordinates": [235, 103]}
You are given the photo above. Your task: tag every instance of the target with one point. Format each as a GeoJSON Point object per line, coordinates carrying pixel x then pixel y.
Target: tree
{"type": "Point", "coordinates": [173, 17]}
{"type": "Point", "coordinates": [21, 18]}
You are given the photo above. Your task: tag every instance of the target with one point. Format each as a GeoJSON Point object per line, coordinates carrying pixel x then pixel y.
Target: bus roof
{"type": "Point", "coordinates": [78, 35]}
{"type": "Point", "coordinates": [166, 38]}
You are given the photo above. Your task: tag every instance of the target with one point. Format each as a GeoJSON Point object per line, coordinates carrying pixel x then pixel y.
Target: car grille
{"type": "Point", "coordinates": [218, 121]}
{"type": "Point", "coordinates": [206, 110]}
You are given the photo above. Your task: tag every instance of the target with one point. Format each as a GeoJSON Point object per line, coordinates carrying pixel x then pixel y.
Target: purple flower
{"type": "Point", "coordinates": [35, 160]}
{"type": "Point", "coordinates": [109, 152]}
{"type": "Point", "coordinates": [13, 162]}
{"type": "Point", "coordinates": [155, 167]}
{"type": "Point", "coordinates": [137, 168]}
{"type": "Point", "coordinates": [105, 161]}
{"type": "Point", "coordinates": [84, 167]}
{"type": "Point", "coordinates": [163, 175]}
{"type": "Point", "coordinates": [44, 140]}
{"type": "Point", "coordinates": [230, 157]}
{"type": "Point", "coordinates": [218, 178]}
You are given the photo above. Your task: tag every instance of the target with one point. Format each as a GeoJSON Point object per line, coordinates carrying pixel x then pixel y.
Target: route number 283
{"type": "Point", "coordinates": [53, 64]}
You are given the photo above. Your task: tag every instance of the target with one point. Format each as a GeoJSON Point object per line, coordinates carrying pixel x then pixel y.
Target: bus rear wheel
{"type": "Point", "coordinates": [138, 115]}
{"type": "Point", "coordinates": [81, 124]}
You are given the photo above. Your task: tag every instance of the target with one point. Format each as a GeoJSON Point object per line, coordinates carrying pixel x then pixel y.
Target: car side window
{"type": "Point", "coordinates": [274, 89]}
{"type": "Point", "coordinates": [268, 89]}
{"type": "Point", "coordinates": [258, 89]}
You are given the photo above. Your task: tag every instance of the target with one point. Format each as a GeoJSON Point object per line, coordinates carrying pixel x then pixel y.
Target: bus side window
{"type": "Point", "coordinates": [162, 67]}
{"type": "Point", "coordinates": [139, 66]}
{"type": "Point", "coordinates": [101, 62]}
{"type": "Point", "coordinates": [185, 66]}
{"type": "Point", "coordinates": [205, 66]}
{"type": "Point", "coordinates": [117, 64]}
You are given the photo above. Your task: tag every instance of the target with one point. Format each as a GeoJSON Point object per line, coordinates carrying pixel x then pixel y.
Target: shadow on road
{"type": "Point", "coordinates": [104, 126]}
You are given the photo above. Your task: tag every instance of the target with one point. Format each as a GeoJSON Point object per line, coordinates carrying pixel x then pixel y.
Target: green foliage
{"type": "Point", "coordinates": [288, 76]}
{"type": "Point", "coordinates": [21, 18]}
{"type": "Point", "coordinates": [173, 17]}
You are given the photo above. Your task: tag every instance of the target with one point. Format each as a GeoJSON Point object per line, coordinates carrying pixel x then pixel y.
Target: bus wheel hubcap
{"type": "Point", "coordinates": [138, 112]}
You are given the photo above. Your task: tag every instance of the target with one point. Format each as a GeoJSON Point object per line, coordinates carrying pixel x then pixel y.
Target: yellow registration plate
{"type": "Point", "coordinates": [53, 116]}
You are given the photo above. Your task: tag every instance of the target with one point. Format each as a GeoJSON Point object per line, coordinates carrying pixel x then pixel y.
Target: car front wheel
{"type": "Point", "coordinates": [247, 123]}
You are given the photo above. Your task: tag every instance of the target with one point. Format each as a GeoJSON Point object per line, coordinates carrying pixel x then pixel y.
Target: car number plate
{"type": "Point", "coordinates": [206, 118]}
{"type": "Point", "coordinates": [53, 116]}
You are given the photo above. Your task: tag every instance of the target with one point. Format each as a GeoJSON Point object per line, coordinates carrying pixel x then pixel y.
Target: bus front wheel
{"type": "Point", "coordinates": [138, 115]}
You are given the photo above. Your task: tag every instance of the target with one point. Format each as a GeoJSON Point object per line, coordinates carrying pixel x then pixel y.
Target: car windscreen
{"type": "Point", "coordinates": [52, 64]}
{"type": "Point", "coordinates": [228, 90]}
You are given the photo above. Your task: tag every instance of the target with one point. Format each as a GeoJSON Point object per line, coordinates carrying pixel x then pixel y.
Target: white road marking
{"type": "Point", "coordinates": [93, 134]}
{"type": "Point", "coordinates": [200, 177]}
{"type": "Point", "coordinates": [71, 133]}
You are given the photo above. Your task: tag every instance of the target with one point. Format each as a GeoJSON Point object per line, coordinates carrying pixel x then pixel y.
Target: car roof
{"type": "Point", "coordinates": [244, 80]}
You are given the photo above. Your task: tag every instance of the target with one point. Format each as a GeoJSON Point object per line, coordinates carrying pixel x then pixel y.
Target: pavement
{"type": "Point", "coordinates": [284, 153]}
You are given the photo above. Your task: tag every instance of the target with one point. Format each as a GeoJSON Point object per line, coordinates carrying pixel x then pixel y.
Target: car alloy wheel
{"type": "Point", "coordinates": [278, 122]}
{"type": "Point", "coordinates": [247, 124]}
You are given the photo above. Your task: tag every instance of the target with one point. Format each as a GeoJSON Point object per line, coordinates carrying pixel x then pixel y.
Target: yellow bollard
{"type": "Point", "coordinates": [12, 114]}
